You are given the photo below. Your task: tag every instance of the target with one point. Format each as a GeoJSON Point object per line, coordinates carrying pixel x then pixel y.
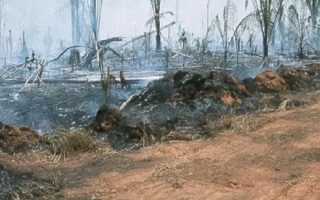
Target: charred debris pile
{"type": "Point", "coordinates": [184, 102]}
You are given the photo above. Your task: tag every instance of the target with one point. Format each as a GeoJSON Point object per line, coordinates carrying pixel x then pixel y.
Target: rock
{"type": "Point", "coordinates": [269, 82]}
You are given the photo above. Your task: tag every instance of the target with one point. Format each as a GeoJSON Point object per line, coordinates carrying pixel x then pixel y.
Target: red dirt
{"type": "Point", "coordinates": [271, 155]}
{"type": "Point", "coordinates": [269, 81]}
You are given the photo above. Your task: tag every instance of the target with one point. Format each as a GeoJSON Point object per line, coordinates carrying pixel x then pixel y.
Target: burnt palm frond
{"type": "Point", "coordinates": [293, 17]}
{"type": "Point", "coordinates": [103, 43]}
{"type": "Point", "coordinates": [161, 15]}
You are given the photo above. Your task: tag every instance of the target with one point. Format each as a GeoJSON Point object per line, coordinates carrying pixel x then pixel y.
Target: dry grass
{"type": "Point", "coordinates": [63, 143]}
{"type": "Point", "coordinates": [244, 124]}
{"type": "Point", "coordinates": [168, 170]}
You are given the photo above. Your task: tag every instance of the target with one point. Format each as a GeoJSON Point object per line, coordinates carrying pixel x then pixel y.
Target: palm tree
{"type": "Point", "coordinates": [229, 13]}
{"type": "Point", "coordinates": [156, 6]}
{"type": "Point", "coordinates": [267, 12]}
{"type": "Point", "coordinates": [299, 26]}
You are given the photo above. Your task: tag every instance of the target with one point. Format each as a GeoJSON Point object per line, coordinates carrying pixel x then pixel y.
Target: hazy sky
{"type": "Point", "coordinates": [120, 17]}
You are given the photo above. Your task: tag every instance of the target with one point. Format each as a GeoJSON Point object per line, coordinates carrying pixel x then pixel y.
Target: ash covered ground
{"type": "Point", "coordinates": [56, 106]}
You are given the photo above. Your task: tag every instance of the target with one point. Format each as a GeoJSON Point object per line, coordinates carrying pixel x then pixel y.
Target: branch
{"type": "Point", "coordinates": [65, 52]}
{"type": "Point", "coordinates": [150, 33]}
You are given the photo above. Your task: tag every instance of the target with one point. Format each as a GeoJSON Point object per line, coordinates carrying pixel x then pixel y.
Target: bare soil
{"type": "Point", "coordinates": [264, 155]}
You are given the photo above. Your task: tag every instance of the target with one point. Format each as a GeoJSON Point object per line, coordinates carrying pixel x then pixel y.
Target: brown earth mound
{"type": "Point", "coordinates": [17, 139]}
{"type": "Point", "coordinates": [269, 82]}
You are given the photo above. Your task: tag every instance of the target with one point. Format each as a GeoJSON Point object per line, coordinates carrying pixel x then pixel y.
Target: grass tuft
{"type": "Point", "coordinates": [64, 142]}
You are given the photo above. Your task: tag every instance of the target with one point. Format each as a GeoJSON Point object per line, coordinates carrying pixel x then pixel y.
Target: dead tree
{"type": "Point", "coordinates": [102, 49]}
{"type": "Point", "coordinates": [75, 21]}
{"type": "Point", "coordinates": [9, 44]}
{"type": "Point", "coordinates": [123, 80]}
{"type": "Point", "coordinates": [1, 18]}
{"type": "Point", "coordinates": [74, 58]}
{"type": "Point", "coordinates": [40, 67]}
{"type": "Point", "coordinates": [24, 50]}
{"type": "Point", "coordinates": [156, 5]}
{"type": "Point", "coordinates": [112, 79]}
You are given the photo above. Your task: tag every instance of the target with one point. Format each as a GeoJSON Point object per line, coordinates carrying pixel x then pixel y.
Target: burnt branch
{"type": "Point", "coordinates": [61, 54]}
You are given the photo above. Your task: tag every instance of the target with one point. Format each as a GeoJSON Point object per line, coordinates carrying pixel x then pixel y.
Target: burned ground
{"type": "Point", "coordinates": [234, 143]}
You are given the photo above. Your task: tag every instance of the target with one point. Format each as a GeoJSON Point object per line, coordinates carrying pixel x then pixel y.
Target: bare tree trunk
{"type": "Point", "coordinates": [145, 46]}
{"type": "Point", "coordinates": [0, 25]}
{"type": "Point", "coordinates": [156, 4]}
{"type": "Point", "coordinates": [94, 14]}
{"type": "Point", "coordinates": [314, 14]}
{"type": "Point", "coordinates": [300, 48]}
{"type": "Point", "coordinates": [265, 51]}
{"type": "Point", "coordinates": [10, 45]}
{"type": "Point", "coordinates": [225, 58]}
{"type": "Point", "coordinates": [77, 22]}
{"type": "Point", "coordinates": [73, 21]}
{"type": "Point", "coordinates": [265, 47]}
{"type": "Point", "coordinates": [158, 34]}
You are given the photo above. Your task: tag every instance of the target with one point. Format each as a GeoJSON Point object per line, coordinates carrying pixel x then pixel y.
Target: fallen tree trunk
{"type": "Point", "coordinates": [22, 81]}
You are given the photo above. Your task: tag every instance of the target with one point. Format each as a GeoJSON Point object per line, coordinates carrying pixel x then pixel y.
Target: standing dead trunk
{"type": "Point", "coordinates": [10, 45]}
{"type": "Point", "coordinates": [300, 49]}
{"type": "Point", "coordinates": [41, 66]}
{"type": "Point", "coordinates": [74, 58]}
{"type": "Point", "coordinates": [77, 22]}
{"type": "Point", "coordinates": [73, 21]}
{"type": "Point", "coordinates": [314, 13]}
{"type": "Point", "coordinates": [156, 4]}
{"type": "Point", "coordinates": [265, 47]}
{"type": "Point", "coordinates": [225, 58]}
{"type": "Point", "coordinates": [265, 52]}
{"type": "Point", "coordinates": [95, 14]}
{"type": "Point", "coordinates": [1, 48]}
{"type": "Point", "coordinates": [158, 34]}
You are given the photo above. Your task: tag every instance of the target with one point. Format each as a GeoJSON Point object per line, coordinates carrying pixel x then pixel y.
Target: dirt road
{"type": "Point", "coordinates": [272, 155]}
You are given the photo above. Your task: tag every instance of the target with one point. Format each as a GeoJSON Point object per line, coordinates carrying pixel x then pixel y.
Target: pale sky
{"type": "Point", "coordinates": [120, 17]}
